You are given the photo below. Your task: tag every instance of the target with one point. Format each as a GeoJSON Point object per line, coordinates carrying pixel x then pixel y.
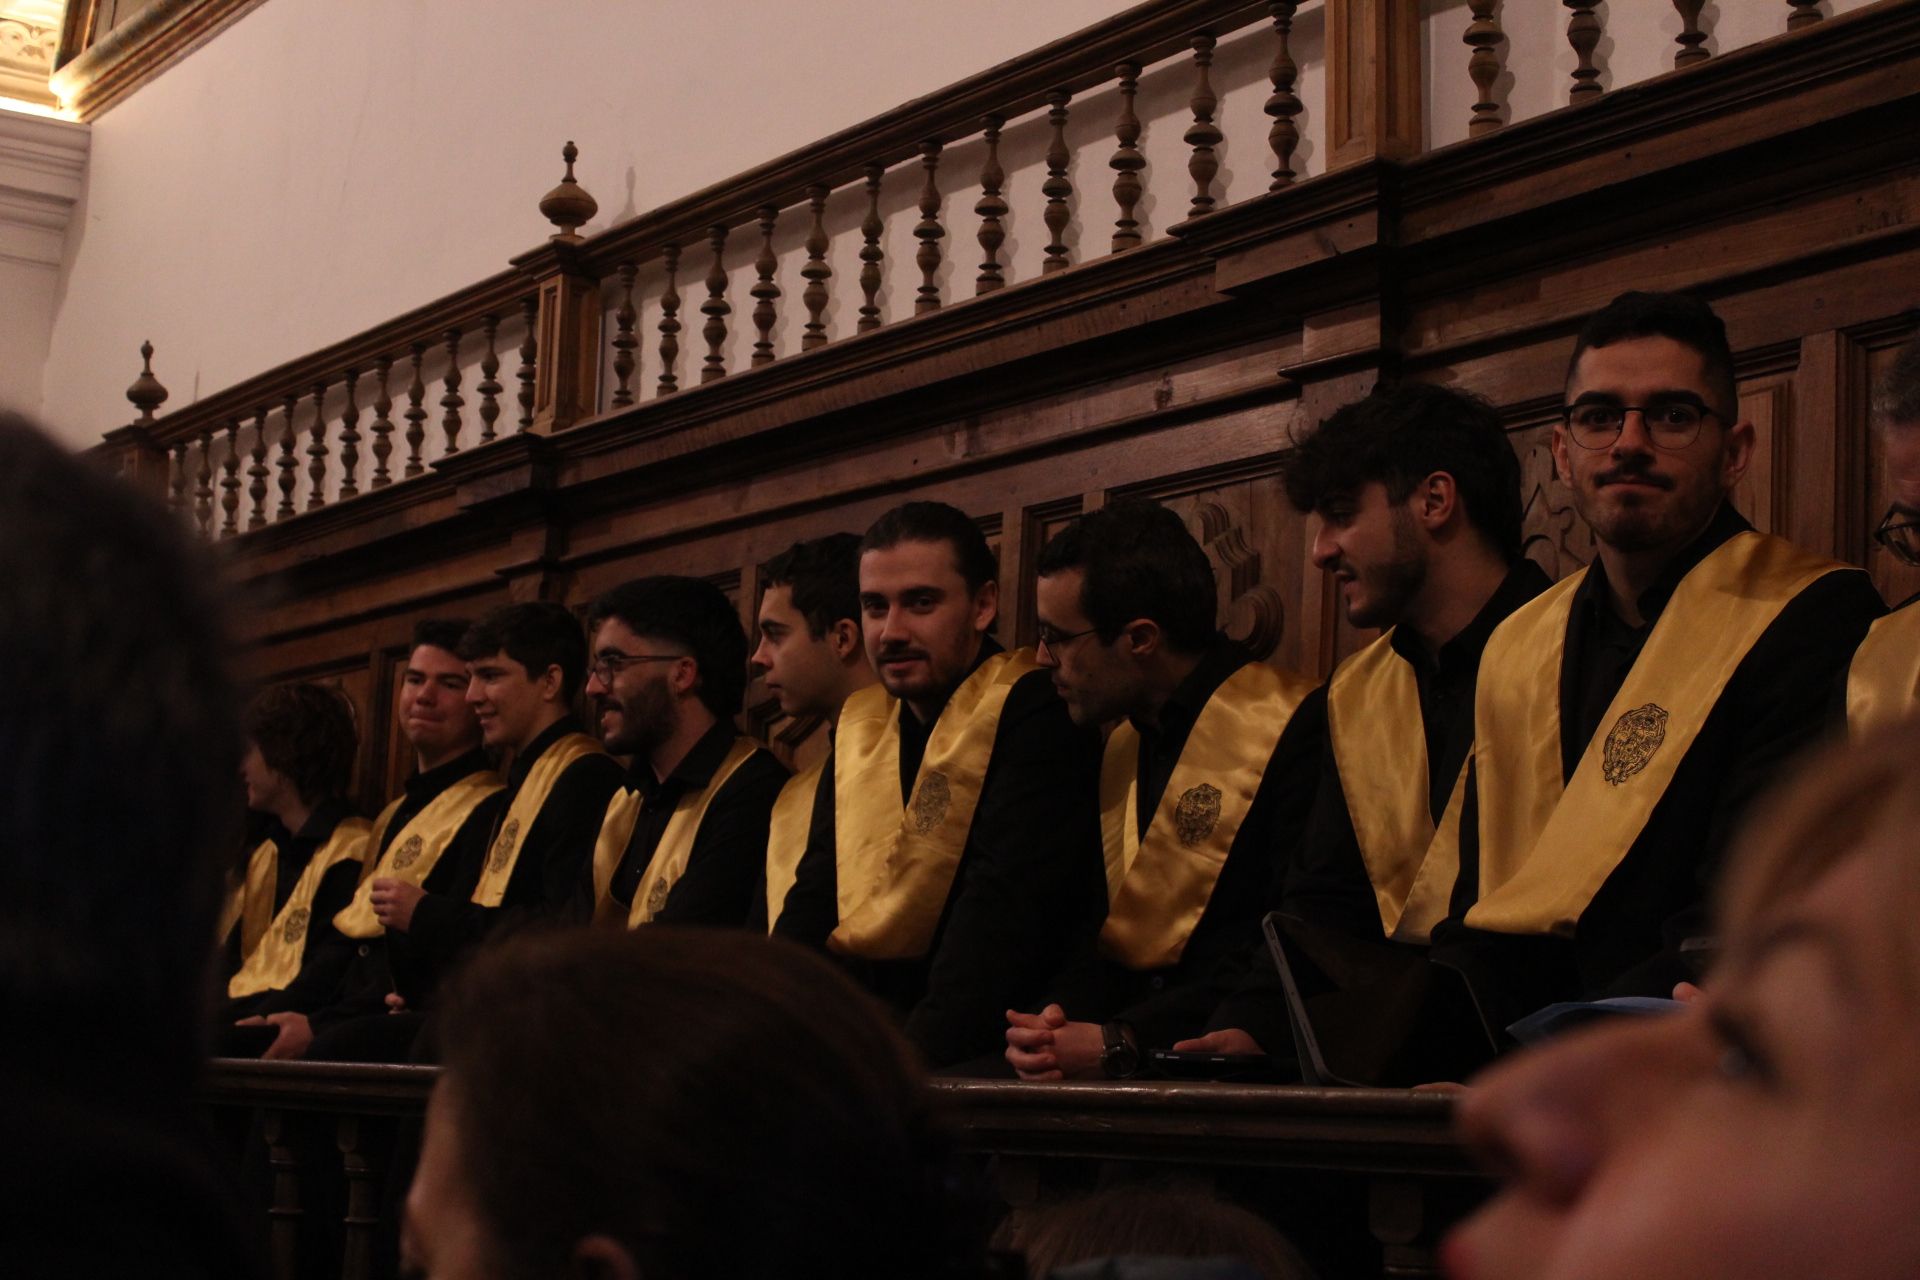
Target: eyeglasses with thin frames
{"type": "Point", "coordinates": [1671, 425]}
{"type": "Point", "coordinates": [606, 666]}
{"type": "Point", "coordinates": [1055, 641]}
{"type": "Point", "coordinates": [1899, 533]}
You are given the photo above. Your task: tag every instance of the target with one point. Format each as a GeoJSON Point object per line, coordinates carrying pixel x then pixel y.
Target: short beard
{"type": "Point", "coordinates": [647, 720]}
{"type": "Point", "coordinates": [1393, 585]}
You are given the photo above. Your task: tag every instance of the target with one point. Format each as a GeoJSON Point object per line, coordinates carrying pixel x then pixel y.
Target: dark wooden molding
{"type": "Point", "coordinates": [98, 69]}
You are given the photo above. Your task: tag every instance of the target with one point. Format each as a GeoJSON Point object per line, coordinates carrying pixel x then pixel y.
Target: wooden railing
{"type": "Point", "coordinates": [1396, 1148]}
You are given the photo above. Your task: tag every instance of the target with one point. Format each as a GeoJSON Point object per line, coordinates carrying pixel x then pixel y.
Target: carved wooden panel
{"type": "Point", "coordinates": [1553, 534]}
{"type": "Point", "coordinates": [1040, 524]}
{"type": "Point", "coordinates": [1896, 581]}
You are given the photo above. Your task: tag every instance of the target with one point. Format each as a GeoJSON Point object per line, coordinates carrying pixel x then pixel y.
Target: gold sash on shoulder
{"type": "Point", "coordinates": [1380, 749]}
{"type": "Point", "coordinates": [895, 863]}
{"type": "Point", "coordinates": [1548, 844]}
{"type": "Point", "coordinates": [1883, 681]}
{"type": "Point", "coordinates": [276, 961]}
{"type": "Point", "coordinates": [416, 847]}
{"type": "Point", "coordinates": [670, 856]}
{"type": "Point", "coordinates": [1159, 884]}
{"type": "Point", "coordinates": [787, 835]}
{"type": "Point", "coordinates": [527, 803]}
{"type": "Point", "coordinates": [250, 903]}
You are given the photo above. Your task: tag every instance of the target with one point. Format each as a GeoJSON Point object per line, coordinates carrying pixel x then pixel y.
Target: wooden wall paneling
{"type": "Point", "coordinates": [397, 765]}
{"type": "Point", "coordinates": [1374, 95]}
{"type": "Point", "coordinates": [1038, 524]}
{"type": "Point", "coordinates": [1823, 445]}
{"type": "Point", "coordinates": [1768, 404]}
{"type": "Point", "coordinates": [1554, 536]}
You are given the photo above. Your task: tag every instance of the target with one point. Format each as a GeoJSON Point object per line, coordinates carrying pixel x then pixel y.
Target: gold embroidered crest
{"type": "Point", "coordinates": [296, 925]}
{"type": "Point", "coordinates": [1632, 742]}
{"type": "Point", "coordinates": [503, 847]}
{"type": "Point", "coordinates": [657, 897]}
{"type": "Point", "coordinates": [1196, 814]}
{"type": "Point", "coordinates": [930, 802]}
{"type": "Point", "coordinates": [408, 853]}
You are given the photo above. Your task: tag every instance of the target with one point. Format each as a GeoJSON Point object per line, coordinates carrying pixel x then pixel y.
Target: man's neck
{"type": "Point", "coordinates": [424, 763]}
{"type": "Point", "coordinates": [293, 814]}
{"type": "Point", "coordinates": [693, 723]}
{"type": "Point", "coordinates": [1457, 588]}
{"type": "Point", "coordinates": [927, 710]}
{"type": "Point", "coordinates": [549, 717]}
{"type": "Point", "coordinates": [1631, 573]}
{"type": "Point", "coordinates": [1160, 678]}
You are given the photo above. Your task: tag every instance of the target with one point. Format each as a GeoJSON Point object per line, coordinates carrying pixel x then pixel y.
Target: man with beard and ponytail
{"type": "Point", "coordinates": [959, 859]}
{"type": "Point", "coordinates": [1628, 717]}
{"type": "Point", "coordinates": [684, 840]}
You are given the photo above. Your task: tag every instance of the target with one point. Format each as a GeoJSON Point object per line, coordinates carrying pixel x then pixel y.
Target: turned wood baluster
{"type": "Point", "coordinates": [1203, 134]}
{"type": "Point", "coordinates": [871, 254]}
{"type": "Point", "coordinates": [992, 207]}
{"type": "Point", "coordinates": [203, 486]}
{"type": "Point", "coordinates": [288, 465]}
{"type": "Point", "coordinates": [1057, 188]}
{"type": "Point", "coordinates": [1283, 104]}
{"type": "Point", "coordinates": [416, 414]}
{"type": "Point", "coordinates": [1691, 37]}
{"type": "Point", "coordinates": [257, 472]}
{"type": "Point", "coordinates": [670, 323]}
{"type": "Point", "coordinates": [1803, 13]}
{"type": "Point", "coordinates": [489, 386]}
{"type": "Point", "coordinates": [350, 438]}
{"type": "Point", "coordinates": [928, 232]}
{"type": "Point", "coordinates": [382, 424]}
{"type": "Point", "coordinates": [360, 1163]}
{"type": "Point", "coordinates": [529, 353]}
{"type": "Point", "coordinates": [317, 449]}
{"type": "Point", "coordinates": [1583, 33]}
{"type": "Point", "coordinates": [230, 481]}
{"type": "Point", "coordinates": [765, 291]}
{"type": "Point", "coordinates": [1127, 161]}
{"type": "Point", "coordinates": [624, 339]}
{"type": "Point", "coordinates": [177, 479]}
{"type": "Point", "coordinates": [716, 308]}
{"type": "Point", "coordinates": [1483, 66]}
{"type": "Point", "coordinates": [817, 272]}
{"type": "Point", "coordinates": [285, 1214]}
{"type": "Point", "coordinates": [451, 402]}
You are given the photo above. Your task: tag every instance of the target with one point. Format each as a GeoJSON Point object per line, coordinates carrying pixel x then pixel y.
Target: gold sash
{"type": "Point", "coordinates": [276, 961]}
{"type": "Point", "coordinates": [250, 903]}
{"type": "Point", "coordinates": [1159, 884]}
{"type": "Point", "coordinates": [1380, 748]}
{"type": "Point", "coordinates": [896, 862]}
{"type": "Point", "coordinates": [526, 806]}
{"type": "Point", "coordinates": [787, 835]}
{"type": "Point", "coordinates": [670, 856]}
{"type": "Point", "coordinates": [1547, 844]}
{"type": "Point", "coordinates": [416, 847]}
{"type": "Point", "coordinates": [1883, 682]}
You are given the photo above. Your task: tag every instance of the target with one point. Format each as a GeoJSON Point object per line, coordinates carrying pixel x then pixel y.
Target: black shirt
{"type": "Point", "coordinates": [729, 853]}
{"type": "Point", "coordinates": [292, 853]}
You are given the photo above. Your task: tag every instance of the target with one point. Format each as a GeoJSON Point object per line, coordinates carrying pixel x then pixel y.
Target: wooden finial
{"type": "Point", "coordinates": [146, 392]}
{"type": "Point", "coordinates": [568, 206]}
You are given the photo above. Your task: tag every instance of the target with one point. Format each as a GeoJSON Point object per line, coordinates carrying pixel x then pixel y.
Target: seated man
{"type": "Point", "coordinates": [959, 859]}
{"type": "Point", "coordinates": [300, 748]}
{"type": "Point", "coordinates": [813, 659]}
{"type": "Point", "coordinates": [1205, 785]}
{"type": "Point", "coordinates": [1627, 717]}
{"type": "Point", "coordinates": [684, 839]}
{"type": "Point", "coordinates": [1883, 681]}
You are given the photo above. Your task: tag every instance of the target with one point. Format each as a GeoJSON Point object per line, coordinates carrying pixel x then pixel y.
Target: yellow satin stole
{"type": "Point", "coordinates": [787, 835]}
{"type": "Point", "coordinates": [1158, 884]}
{"type": "Point", "coordinates": [1380, 749]}
{"type": "Point", "coordinates": [276, 961]}
{"type": "Point", "coordinates": [1883, 681]}
{"type": "Point", "coordinates": [669, 856]}
{"type": "Point", "coordinates": [416, 847]}
{"type": "Point", "coordinates": [526, 806]}
{"type": "Point", "coordinates": [1547, 843]}
{"type": "Point", "coordinates": [895, 863]}
{"type": "Point", "coordinates": [250, 903]}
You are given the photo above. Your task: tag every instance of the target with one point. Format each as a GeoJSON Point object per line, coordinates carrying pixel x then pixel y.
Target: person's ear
{"type": "Point", "coordinates": [1144, 637]}
{"type": "Point", "coordinates": [986, 606]}
{"type": "Point", "coordinates": [599, 1257]}
{"type": "Point", "coordinates": [843, 638]}
{"type": "Point", "coordinates": [553, 683]}
{"type": "Point", "coordinates": [1435, 500]}
{"type": "Point", "coordinates": [683, 676]}
{"type": "Point", "coordinates": [1562, 464]}
{"type": "Point", "coordinates": [1736, 454]}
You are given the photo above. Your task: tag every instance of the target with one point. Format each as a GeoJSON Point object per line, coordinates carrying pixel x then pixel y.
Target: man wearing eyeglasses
{"type": "Point", "coordinates": [1883, 681]}
{"type": "Point", "coordinates": [684, 839]}
{"type": "Point", "coordinates": [1627, 717]}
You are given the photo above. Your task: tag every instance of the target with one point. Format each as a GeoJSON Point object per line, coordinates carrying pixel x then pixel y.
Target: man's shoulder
{"type": "Point", "coordinates": [594, 773]}
{"type": "Point", "coordinates": [759, 778]}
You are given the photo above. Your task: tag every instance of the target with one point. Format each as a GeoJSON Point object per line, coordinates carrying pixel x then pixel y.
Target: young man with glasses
{"type": "Point", "coordinates": [684, 840]}
{"type": "Point", "coordinates": [1627, 718]}
{"type": "Point", "coordinates": [1883, 681]}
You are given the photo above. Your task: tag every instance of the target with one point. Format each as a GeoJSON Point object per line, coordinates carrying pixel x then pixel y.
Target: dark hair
{"type": "Point", "coordinates": [781, 1130]}
{"type": "Point", "coordinates": [121, 736]}
{"type": "Point", "coordinates": [1138, 561]}
{"type": "Point", "coordinates": [1686, 319]}
{"type": "Point", "coordinates": [306, 732]}
{"type": "Point", "coordinates": [440, 633]}
{"type": "Point", "coordinates": [693, 614]}
{"type": "Point", "coordinates": [1400, 435]}
{"type": "Point", "coordinates": [937, 522]}
{"type": "Point", "coordinates": [824, 576]}
{"type": "Point", "coordinates": [1898, 399]}
{"type": "Point", "coordinates": [537, 635]}
{"type": "Point", "coordinates": [1153, 1220]}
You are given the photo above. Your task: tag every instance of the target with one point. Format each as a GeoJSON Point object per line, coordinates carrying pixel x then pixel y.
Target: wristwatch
{"type": "Point", "coordinates": [1120, 1059]}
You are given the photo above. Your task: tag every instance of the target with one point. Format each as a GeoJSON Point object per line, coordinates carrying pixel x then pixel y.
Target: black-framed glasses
{"type": "Point", "coordinates": [1670, 424]}
{"type": "Point", "coordinates": [606, 666]}
{"type": "Point", "coordinates": [1054, 640]}
{"type": "Point", "coordinates": [1899, 533]}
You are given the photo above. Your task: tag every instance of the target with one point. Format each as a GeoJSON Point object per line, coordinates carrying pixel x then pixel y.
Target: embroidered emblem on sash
{"type": "Point", "coordinates": [930, 802]}
{"type": "Point", "coordinates": [1632, 742]}
{"type": "Point", "coordinates": [408, 853]}
{"type": "Point", "coordinates": [296, 925]}
{"type": "Point", "coordinates": [1198, 811]}
{"type": "Point", "coordinates": [657, 897]}
{"type": "Point", "coordinates": [503, 847]}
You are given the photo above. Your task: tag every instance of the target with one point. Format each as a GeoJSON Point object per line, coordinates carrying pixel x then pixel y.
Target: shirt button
{"type": "Point", "coordinates": [1158, 984]}
{"type": "Point", "coordinates": [364, 949]}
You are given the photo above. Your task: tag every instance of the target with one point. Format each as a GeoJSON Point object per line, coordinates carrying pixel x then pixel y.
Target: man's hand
{"type": "Point", "coordinates": [296, 1033]}
{"type": "Point", "coordinates": [1045, 1046]}
{"type": "Point", "coordinates": [394, 901]}
{"type": "Point", "coordinates": [396, 1003]}
{"type": "Point", "coordinates": [1231, 1040]}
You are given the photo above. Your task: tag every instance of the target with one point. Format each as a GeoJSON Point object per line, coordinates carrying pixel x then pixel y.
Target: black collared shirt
{"type": "Point", "coordinates": [292, 853]}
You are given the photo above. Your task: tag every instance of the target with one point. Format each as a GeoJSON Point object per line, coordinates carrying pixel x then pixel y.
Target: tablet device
{"type": "Point", "coordinates": [1200, 1065]}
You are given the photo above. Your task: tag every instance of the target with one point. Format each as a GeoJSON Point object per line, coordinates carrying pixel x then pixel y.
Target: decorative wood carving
{"type": "Point", "coordinates": [100, 64]}
{"type": "Point", "coordinates": [716, 308]}
{"type": "Point", "coordinates": [1583, 33]}
{"type": "Point", "coordinates": [317, 450]}
{"type": "Point", "coordinates": [361, 1224]}
{"type": "Point", "coordinates": [177, 479]}
{"type": "Point", "coordinates": [928, 231]}
{"type": "Point", "coordinates": [1057, 188]}
{"type": "Point", "coordinates": [257, 472]}
{"type": "Point", "coordinates": [1553, 535]}
{"type": "Point", "coordinates": [1127, 162]}
{"type": "Point", "coordinates": [1802, 13]}
{"type": "Point", "coordinates": [146, 393]}
{"type": "Point", "coordinates": [992, 207]}
{"type": "Point", "coordinates": [872, 256]}
{"type": "Point", "coordinates": [1203, 134]}
{"type": "Point", "coordinates": [383, 423]}
{"type": "Point", "coordinates": [624, 340]}
{"type": "Point", "coordinates": [451, 403]}
{"type": "Point", "coordinates": [203, 484]}
{"type": "Point", "coordinates": [568, 206]}
{"type": "Point", "coordinates": [1483, 65]}
{"type": "Point", "coordinates": [287, 464]}
{"type": "Point", "coordinates": [350, 438]}
{"type": "Point", "coordinates": [765, 291]}
{"type": "Point", "coordinates": [529, 359]}
{"type": "Point", "coordinates": [489, 386]}
{"type": "Point", "coordinates": [817, 272]}
{"type": "Point", "coordinates": [1691, 37]}
{"type": "Point", "coordinates": [230, 482]}
{"type": "Point", "coordinates": [284, 1217]}
{"type": "Point", "coordinates": [416, 414]}
{"type": "Point", "coordinates": [1283, 104]}
{"type": "Point", "coordinates": [670, 322]}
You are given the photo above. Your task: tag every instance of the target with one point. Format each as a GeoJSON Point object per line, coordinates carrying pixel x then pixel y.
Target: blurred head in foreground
{"type": "Point", "coordinates": [672, 1104]}
{"type": "Point", "coordinates": [1158, 1220]}
{"type": "Point", "coordinates": [1770, 1130]}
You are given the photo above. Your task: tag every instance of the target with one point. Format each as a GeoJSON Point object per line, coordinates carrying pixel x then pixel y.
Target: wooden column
{"type": "Point", "coordinates": [566, 379]}
{"type": "Point", "coordinates": [1374, 100]}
